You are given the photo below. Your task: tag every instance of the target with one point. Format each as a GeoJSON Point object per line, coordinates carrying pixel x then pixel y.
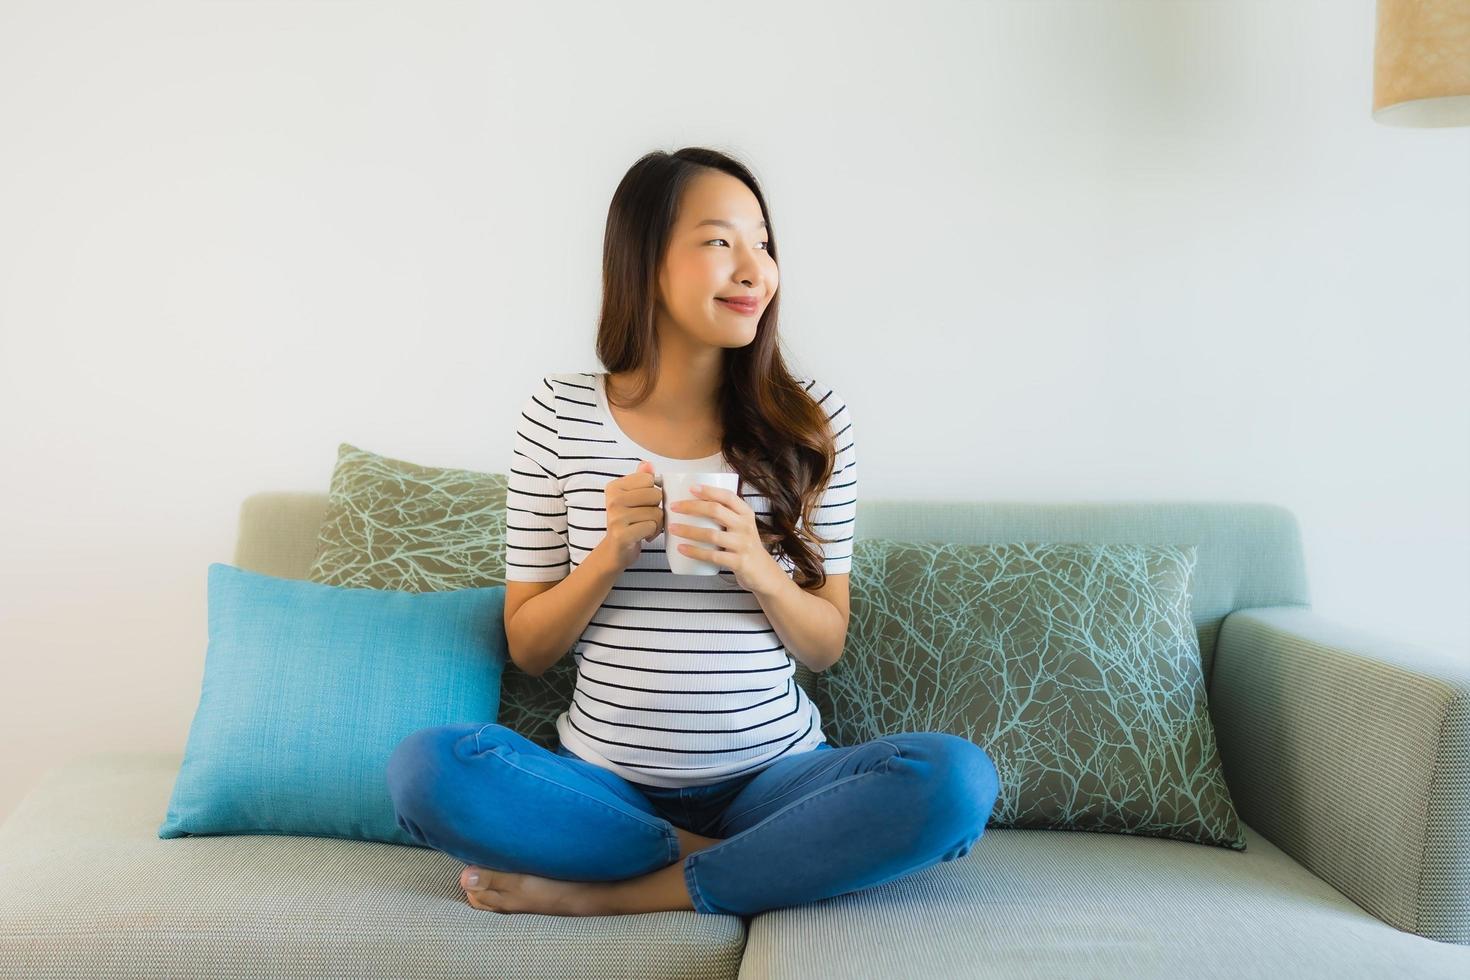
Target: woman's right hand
{"type": "Point", "coordinates": [635, 514]}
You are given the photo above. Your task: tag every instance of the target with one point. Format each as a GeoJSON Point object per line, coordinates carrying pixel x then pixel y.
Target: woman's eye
{"type": "Point", "coordinates": [767, 244]}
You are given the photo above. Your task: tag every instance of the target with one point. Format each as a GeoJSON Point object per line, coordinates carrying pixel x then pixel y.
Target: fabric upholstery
{"type": "Point", "coordinates": [304, 698]}
{"type": "Point", "coordinates": [1351, 751]}
{"type": "Point", "coordinates": [1044, 904]}
{"type": "Point", "coordinates": [1075, 665]}
{"type": "Point", "coordinates": [87, 890]}
{"type": "Point", "coordinates": [1249, 556]}
{"type": "Point", "coordinates": [394, 524]}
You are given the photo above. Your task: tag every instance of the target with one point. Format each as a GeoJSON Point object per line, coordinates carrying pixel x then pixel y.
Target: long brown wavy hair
{"type": "Point", "coordinates": [776, 436]}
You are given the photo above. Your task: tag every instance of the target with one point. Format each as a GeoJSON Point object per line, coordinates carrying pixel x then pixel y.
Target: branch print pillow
{"type": "Point", "coordinates": [1076, 666]}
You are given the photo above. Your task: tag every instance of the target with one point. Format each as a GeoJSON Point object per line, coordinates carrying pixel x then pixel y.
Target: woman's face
{"type": "Point", "coordinates": [708, 260]}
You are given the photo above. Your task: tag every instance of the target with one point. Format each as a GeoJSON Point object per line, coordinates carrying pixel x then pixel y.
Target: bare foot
{"type": "Point", "coordinates": [508, 891]}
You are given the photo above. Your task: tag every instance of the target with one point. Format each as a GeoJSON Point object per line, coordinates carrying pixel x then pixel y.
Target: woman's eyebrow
{"type": "Point", "coordinates": [724, 224]}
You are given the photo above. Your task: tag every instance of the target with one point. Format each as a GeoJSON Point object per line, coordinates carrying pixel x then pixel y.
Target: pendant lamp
{"type": "Point", "coordinates": [1421, 63]}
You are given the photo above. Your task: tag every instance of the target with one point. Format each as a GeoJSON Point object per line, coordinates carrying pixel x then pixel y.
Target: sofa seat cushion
{"type": "Point", "coordinates": [1055, 903]}
{"type": "Point", "coordinates": [88, 889]}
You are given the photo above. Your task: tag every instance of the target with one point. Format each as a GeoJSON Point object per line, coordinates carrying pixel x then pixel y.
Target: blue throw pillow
{"type": "Point", "coordinates": [307, 690]}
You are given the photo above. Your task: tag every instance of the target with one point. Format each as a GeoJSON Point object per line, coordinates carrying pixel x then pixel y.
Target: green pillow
{"type": "Point", "coordinates": [1076, 666]}
{"type": "Point", "coordinates": [393, 524]}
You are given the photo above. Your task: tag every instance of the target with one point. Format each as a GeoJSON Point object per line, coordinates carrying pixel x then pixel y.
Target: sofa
{"type": "Point", "coordinates": [1347, 755]}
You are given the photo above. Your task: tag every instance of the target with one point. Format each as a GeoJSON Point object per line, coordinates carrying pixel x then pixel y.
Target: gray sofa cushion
{"type": "Point", "coordinates": [1046, 904]}
{"type": "Point", "coordinates": [87, 890]}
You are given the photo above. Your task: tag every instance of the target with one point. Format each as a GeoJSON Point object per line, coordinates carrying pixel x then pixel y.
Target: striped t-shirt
{"type": "Point", "coordinates": [681, 679]}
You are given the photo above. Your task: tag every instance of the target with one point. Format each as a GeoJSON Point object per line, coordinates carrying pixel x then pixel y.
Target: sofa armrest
{"type": "Point", "coordinates": [1350, 751]}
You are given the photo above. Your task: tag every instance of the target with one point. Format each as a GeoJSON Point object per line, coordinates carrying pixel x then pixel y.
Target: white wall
{"type": "Point", "coordinates": [1048, 250]}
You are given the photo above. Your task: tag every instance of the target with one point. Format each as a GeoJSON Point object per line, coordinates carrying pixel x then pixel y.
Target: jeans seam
{"type": "Point", "coordinates": [810, 777]}
{"type": "Point", "coordinates": [795, 803]}
{"type": "Point", "coordinates": [700, 904]}
{"type": "Point", "coordinates": [671, 838]}
{"type": "Point", "coordinates": [728, 817]}
{"type": "Point", "coordinates": [888, 762]}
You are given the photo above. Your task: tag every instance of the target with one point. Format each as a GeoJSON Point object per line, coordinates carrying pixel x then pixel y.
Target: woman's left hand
{"type": "Point", "coordinates": [739, 544]}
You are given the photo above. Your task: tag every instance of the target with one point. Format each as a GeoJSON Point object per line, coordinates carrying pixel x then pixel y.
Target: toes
{"type": "Point", "coordinates": [489, 883]}
{"type": "Point", "coordinates": [481, 894]}
{"type": "Point", "coordinates": [485, 898]}
{"type": "Point", "coordinates": [471, 869]}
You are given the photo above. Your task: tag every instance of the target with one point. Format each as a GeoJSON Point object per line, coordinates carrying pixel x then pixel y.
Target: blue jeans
{"type": "Point", "coordinates": [804, 828]}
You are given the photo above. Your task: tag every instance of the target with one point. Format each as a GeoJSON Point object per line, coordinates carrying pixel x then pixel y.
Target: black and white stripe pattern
{"type": "Point", "coordinates": [681, 680]}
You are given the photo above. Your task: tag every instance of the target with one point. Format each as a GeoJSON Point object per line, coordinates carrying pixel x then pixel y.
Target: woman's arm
{"type": "Point", "coordinates": [542, 628]}
{"type": "Point", "coordinates": [812, 624]}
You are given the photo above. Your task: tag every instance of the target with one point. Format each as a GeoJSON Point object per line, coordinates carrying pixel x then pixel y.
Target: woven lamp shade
{"type": "Point", "coordinates": [1421, 63]}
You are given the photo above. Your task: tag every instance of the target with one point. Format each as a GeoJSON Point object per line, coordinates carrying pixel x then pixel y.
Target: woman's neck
{"type": "Point", "coordinates": [678, 397]}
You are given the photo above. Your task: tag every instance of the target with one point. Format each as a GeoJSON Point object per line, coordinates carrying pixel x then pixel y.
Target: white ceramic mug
{"type": "Point", "coordinates": [676, 487]}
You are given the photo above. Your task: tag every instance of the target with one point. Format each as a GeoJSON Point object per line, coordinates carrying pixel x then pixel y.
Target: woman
{"type": "Point", "coordinates": [691, 770]}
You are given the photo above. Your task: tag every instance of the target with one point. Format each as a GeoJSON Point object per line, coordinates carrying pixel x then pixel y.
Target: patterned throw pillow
{"type": "Point", "coordinates": [1076, 666]}
{"type": "Point", "coordinates": [392, 524]}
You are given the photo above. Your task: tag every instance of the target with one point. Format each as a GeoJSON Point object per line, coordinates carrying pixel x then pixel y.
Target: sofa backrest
{"type": "Point", "coordinates": [1250, 554]}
